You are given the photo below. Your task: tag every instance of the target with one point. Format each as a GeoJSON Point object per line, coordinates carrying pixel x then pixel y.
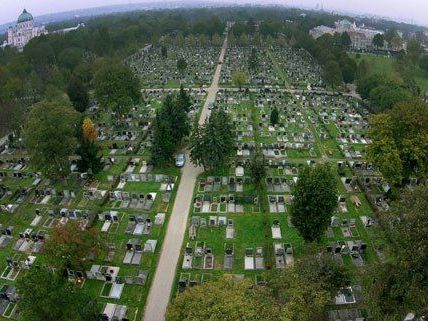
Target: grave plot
{"type": "Point", "coordinates": [301, 70]}
{"type": "Point", "coordinates": [261, 73]}
{"type": "Point", "coordinates": [291, 136]}
{"type": "Point", "coordinates": [340, 122]}
{"type": "Point", "coordinates": [231, 232]}
{"type": "Point", "coordinates": [128, 202]}
{"type": "Point", "coordinates": [157, 71]}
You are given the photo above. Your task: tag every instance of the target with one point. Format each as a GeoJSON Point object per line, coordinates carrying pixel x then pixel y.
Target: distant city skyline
{"type": "Point", "coordinates": [409, 11]}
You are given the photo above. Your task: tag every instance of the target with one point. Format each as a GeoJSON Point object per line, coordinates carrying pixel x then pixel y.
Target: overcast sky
{"type": "Point", "coordinates": [408, 10]}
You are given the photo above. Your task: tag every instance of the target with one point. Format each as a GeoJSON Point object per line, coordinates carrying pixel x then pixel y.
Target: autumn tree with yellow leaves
{"type": "Point", "coordinates": [89, 151]}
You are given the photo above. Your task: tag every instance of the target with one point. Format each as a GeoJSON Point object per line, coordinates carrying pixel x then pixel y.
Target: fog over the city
{"type": "Point", "coordinates": [409, 11]}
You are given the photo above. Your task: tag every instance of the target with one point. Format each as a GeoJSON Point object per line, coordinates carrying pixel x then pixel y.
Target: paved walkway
{"type": "Point", "coordinates": [160, 291]}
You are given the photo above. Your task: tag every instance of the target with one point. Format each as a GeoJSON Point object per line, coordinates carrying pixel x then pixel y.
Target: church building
{"type": "Point", "coordinates": [24, 31]}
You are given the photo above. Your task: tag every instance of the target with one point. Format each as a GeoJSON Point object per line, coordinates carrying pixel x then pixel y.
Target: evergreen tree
{"type": "Point", "coordinates": [183, 100]}
{"type": "Point", "coordinates": [257, 169]}
{"type": "Point", "coordinates": [274, 116]}
{"type": "Point", "coordinates": [213, 142]}
{"type": "Point", "coordinates": [170, 127]}
{"type": "Point", "coordinates": [78, 94]}
{"type": "Point", "coordinates": [181, 65]}
{"type": "Point", "coordinates": [345, 40]}
{"type": "Point", "coordinates": [378, 40]}
{"type": "Point", "coordinates": [164, 52]}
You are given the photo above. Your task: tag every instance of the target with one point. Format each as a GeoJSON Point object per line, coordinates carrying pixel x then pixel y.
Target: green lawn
{"type": "Point", "coordinates": [385, 65]}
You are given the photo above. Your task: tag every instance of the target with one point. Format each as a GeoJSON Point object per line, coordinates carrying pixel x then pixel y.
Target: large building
{"type": "Point", "coordinates": [362, 38]}
{"type": "Point", "coordinates": [24, 31]}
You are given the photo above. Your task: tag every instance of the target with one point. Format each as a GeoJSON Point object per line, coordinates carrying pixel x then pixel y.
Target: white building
{"type": "Point", "coordinates": [362, 38]}
{"type": "Point", "coordinates": [24, 31]}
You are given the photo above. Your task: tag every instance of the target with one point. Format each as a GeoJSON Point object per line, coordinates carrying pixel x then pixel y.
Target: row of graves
{"type": "Point", "coordinates": [132, 134]}
{"type": "Point", "coordinates": [128, 202]}
{"type": "Point", "coordinates": [156, 71]}
{"type": "Point", "coordinates": [19, 244]}
{"type": "Point", "coordinates": [340, 121]}
{"type": "Point", "coordinates": [228, 233]}
{"type": "Point", "coordinates": [301, 69]}
{"type": "Point", "coordinates": [291, 137]}
{"type": "Point", "coordinates": [261, 74]}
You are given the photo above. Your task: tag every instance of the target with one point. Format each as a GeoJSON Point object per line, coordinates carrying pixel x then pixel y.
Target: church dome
{"type": "Point", "coordinates": [25, 16]}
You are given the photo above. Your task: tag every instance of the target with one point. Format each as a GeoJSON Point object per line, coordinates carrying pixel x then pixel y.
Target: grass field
{"type": "Point", "coordinates": [385, 65]}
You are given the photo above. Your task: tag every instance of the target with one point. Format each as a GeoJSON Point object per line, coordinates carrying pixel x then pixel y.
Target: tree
{"type": "Point", "coordinates": [423, 63]}
{"type": "Point", "coordinates": [170, 127]}
{"type": "Point", "coordinates": [332, 74]}
{"type": "Point", "coordinates": [183, 99]}
{"type": "Point", "coordinates": [378, 40]}
{"type": "Point", "coordinates": [257, 169]}
{"type": "Point", "coordinates": [70, 57]}
{"type": "Point", "coordinates": [239, 78]}
{"type": "Point", "coordinates": [414, 50]}
{"type": "Point", "coordinates": [314, 201]}
{"type": "Point", "coordinates": [387, 95]}
{"type": "Point", "coordinates": [348, 74]}
{"type": "Point", "coordinates": [400, 136]}
{"type": "Point", "coordinates": [164, 52]}
{"type": "Point", "coordinates": [89, 151]}
{"type": "Point", "coordinates": [394, 40]}
{"type": "Point", "coordinates": [345, 40]}
{"type": "Point", "coordinates": [274, 116]}
{"type": "Point", "coordinates": [224, 299]}
{"type": "Point", "coordinates": [70, 246]}
{"type": "Point", "coordinates": [213, 143]}
{"type": "Point", "coordinates": [305, 290]}
{"type": "Point", "coordinates": [48, 296]}
{"type": "Point", "coordinates": [362, 70]}
{"type": "Point", "coordinates": [181, 65]}
{"type": "Point", "coordinates": [78, 94]}
{"type": "Point", "coordinates": [402, 283]}
{"type": "Point", "coordinates": [49, 135]}
{"type": "Point", "coordinates": [116, 87]}
{"type": "Point", "coordinates": [89, 132]}
{"type": "Point", "coordinates": [252, 60]}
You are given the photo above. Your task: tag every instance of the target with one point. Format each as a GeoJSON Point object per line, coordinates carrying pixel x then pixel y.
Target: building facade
{"type": "Point", "coordinates": [24, 31]}
{"type": "Point", "coordinates": [361, 38]}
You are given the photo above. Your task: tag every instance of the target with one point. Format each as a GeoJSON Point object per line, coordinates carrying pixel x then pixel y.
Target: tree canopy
{"type": "Point", "coordinates": [314, 201]}
{"type": "Point", "coordinates": [225, 299]}
{"type": "Point", "coordinates": [78, 94]}
{"type": "Point", "coordinates": [239, 78]}
{"type": "Point", "coordinates": [48, 296]}
{"type": "Point", "coordinates": [213, 143]}
{"type": "Point", "coordinates": [70, 246]}
{"type": "Point", "coordinates": [400, 141]}
{"type": "Point", "coordinates": [50, 135]}
{"type": "Point", "coordinates": [378, 40]}
{"type": "Point", "coordinates": [116, 87]}
{"type": "Point", "coordinates": [401, 284]}
{"type": "Point", "coordinates": [170, 126]}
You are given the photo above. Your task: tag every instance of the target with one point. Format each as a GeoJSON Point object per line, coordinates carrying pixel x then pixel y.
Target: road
{"type": "Point", "coordinates": [160, 291]}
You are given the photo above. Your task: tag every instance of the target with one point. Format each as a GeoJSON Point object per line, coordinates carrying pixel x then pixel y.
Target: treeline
{"type": "Point", "coordinates": [70, 61]}
{"type": "Point", "coordinates": [382, 91]}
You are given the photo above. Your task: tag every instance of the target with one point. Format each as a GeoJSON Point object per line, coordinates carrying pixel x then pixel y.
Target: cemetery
{"type": "Point", "coordinates": [128, 203]}
{"type": "Point", "coordinates": [282, 112]}
{"type": "Point", "coordinates": [231, 230]}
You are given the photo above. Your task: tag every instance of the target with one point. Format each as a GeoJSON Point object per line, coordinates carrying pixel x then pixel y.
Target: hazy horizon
{"type": "Point", "coordinates": [411, 11]}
